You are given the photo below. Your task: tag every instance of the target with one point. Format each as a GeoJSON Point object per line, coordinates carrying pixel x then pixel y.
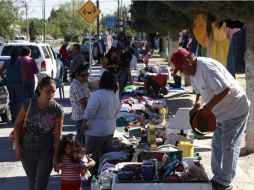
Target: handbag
{"type": "Point", "coordinates": [22, 127]}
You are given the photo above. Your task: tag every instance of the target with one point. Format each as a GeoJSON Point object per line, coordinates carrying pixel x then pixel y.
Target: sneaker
{"type": "Point", "coordinates": [218, 186]}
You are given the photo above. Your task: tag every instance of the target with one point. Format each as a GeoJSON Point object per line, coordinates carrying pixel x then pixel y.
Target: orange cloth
{"type": "Point", "coordinates": [200, 29]}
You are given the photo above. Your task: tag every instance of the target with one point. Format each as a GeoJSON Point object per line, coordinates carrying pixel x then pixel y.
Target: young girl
{"type": "Point", "coordinates": [73, 162]}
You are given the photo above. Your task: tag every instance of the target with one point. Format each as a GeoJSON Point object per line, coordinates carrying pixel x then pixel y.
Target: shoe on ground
{"type": "Point", "coordinates": [218, 186]}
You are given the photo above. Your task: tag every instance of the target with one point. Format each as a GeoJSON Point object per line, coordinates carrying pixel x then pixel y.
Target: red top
{"type": "Point", "coordinates": [63, 52]}
{"type": "Point", "coordinates": [30, 68]}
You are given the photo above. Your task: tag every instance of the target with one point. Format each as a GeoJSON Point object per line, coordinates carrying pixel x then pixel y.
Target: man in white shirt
{"type": "Point", "coordinates": [223, 96]}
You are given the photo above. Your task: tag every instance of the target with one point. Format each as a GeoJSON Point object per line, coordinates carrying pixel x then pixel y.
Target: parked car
{"type": "Point", "coordinates": [48, 62]}
{"type": "Point", "coordinates": [4, 98]}
{"type": "Point", "coordinates": [84, 47]}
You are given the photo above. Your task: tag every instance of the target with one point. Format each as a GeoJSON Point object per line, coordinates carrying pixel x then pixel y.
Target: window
{"type": "Point", "coordinates": [45, 51]}
{"type": "Point", "coordinates": [35, 52]}
{"type": "Point", "coordinates": [50, 52]}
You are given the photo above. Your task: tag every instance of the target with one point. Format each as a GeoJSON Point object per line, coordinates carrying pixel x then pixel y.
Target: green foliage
{"type": "Point", "coordinates": [32, 31]}
{"type": "Point", "coordinates": [67, 23]}
{"type": "Point", "coordinates": [9, 16]}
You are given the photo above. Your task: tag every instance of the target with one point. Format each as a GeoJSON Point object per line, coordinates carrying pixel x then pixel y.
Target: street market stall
{"type": "Point", "coordinates": [152, 148]}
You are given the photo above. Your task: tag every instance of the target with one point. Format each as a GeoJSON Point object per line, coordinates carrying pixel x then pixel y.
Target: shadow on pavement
{"type": "Point", "coordinates": [21, 183]}
{"type": "Point", "coordinates": [200, 149]}
{"type": "Point", "coordinates": [7, 153]}
{"type": "Point", "coordinates": [6, 125]}
{"type": "Point", "coordinates": [11, 183]}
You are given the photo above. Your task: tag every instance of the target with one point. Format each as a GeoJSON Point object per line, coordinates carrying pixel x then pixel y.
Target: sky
{"type": "Point", "coordinates": [35, 6]}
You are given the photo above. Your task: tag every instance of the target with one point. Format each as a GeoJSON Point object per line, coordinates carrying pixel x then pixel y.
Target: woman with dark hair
{"type": "Point", "coordinates": [29, 69]}
{"type": "Point", "coordinates": [111, 60]}
{"type": "Point", "coordinates": [39, 146]}
{"type": "Point", "coordinates": [79, 94]}
{"type": "Point", "coordinates": [99, 119]}
{"type": "Point", "coordinates": [124, 70]}
{"type": "Point", "coordinates": [13, 82]}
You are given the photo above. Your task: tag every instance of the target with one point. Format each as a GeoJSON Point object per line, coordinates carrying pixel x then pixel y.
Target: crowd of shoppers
{"type": "Point", "coordinates": [43, 148]}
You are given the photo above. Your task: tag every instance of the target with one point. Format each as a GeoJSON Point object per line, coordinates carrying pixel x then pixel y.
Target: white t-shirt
{"type": "Point", "coordinates": [210, 79]}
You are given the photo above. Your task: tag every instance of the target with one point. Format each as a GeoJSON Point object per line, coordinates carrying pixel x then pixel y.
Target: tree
{"type": "Point", "coordinates": [180, 15]}
{"type": "Point", "coordinates": [9, 16]}
{"type": "Point", "coordinates": [146, 18]}
{"type": "Point", "coordinates": [62, 22]}
{"type": "Point", "coordinates": [32, 31]}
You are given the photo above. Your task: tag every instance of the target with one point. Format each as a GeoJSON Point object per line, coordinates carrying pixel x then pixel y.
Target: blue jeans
{"type": "Point", "coordinates": [226, 146]}
{"type": "Point", "coordinates": [16, 98]}
{"type": "Point", "coordinates": [29, 89]}
{"type": "Point", "coordinates": [80, 133]}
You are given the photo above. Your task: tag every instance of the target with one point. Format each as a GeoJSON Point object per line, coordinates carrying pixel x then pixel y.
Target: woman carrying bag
{"type": "Point", "coordinates": [37, 150]}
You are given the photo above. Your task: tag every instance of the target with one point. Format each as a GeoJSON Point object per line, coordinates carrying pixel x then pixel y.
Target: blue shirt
{"type": "Point", "coordinates": [13, 73]}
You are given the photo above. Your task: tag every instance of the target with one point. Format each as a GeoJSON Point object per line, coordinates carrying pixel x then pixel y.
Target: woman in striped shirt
{"type": "Point", "coordinates": [73, 163]}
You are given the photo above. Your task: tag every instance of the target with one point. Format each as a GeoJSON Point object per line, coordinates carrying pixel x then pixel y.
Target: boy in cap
{"type": "Point", "coordinates": [223, 96]}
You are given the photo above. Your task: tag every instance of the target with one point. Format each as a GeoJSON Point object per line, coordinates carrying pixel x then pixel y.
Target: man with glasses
{"type": "Point", "coordinates": [223, 96]}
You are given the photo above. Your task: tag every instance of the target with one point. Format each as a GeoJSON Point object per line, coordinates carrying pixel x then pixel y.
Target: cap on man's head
{"type": "Point", "coordinates": [177, 59]}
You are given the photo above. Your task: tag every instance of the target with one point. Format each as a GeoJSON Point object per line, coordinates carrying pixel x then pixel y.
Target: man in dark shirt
{"type": "Point", "coordinates": [77, 58]}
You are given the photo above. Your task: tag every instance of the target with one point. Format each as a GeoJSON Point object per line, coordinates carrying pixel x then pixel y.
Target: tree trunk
{"type": "Point", "coordinates": [249, 74]}
{"type": "Point", "coordinates": [173, 45]}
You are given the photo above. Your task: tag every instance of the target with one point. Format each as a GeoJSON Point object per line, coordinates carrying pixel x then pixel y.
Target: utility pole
{"type": "Point", "coordinates": [121, 10]}
{"type": "Point", "coordinates": [73, 22]}
{"type": "Point", "coordinates": [98, 19]}
{"type": "Point", "coordinates": [27, 24]}
{"type": "Point", "coordinates": [118, 16]}
{"type": "Point", "coordinates": [44, 20]}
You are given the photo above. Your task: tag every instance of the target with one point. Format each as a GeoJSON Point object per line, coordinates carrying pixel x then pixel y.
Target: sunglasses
{"type": "Point", "coordinates": [84, 75]}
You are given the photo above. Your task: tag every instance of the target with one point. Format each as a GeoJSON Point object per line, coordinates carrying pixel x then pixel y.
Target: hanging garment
{"type": "Point", "coordinates": [219, 44]}
{"type": "Point", "coordinates": [235, 60]}
{"type": "Point", "coordinates": [200, 29]}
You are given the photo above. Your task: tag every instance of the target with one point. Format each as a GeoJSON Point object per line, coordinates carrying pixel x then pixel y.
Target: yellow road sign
{"type": "Point", "coordinates": [89, 11]}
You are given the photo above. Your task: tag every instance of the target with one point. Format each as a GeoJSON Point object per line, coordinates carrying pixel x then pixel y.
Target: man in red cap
{"type": "Point", "coordinates": [225, 98]}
